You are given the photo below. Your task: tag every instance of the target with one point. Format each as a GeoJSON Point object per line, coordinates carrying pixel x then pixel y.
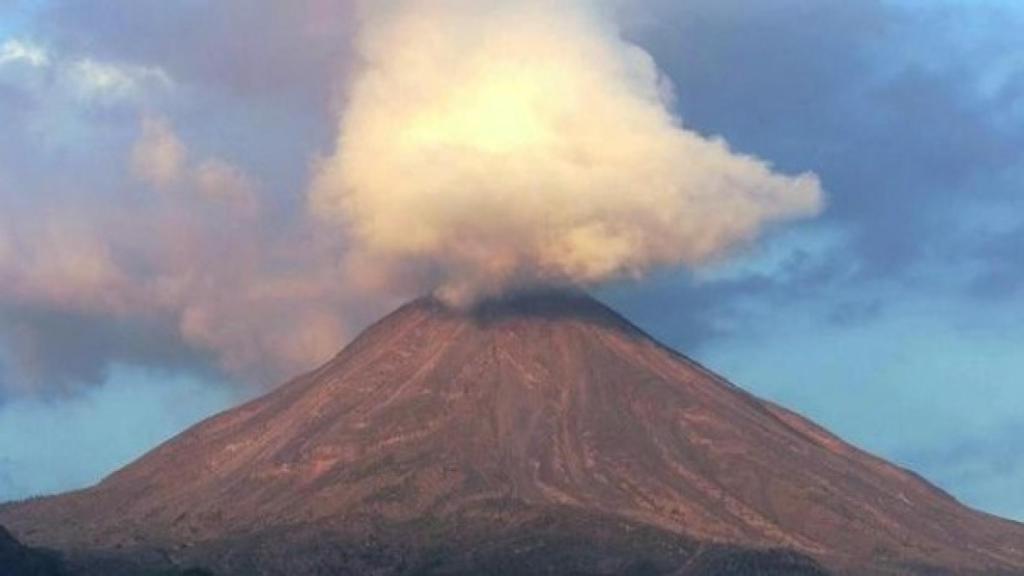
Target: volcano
{"type": "Point", "coordinates": [537, 434]}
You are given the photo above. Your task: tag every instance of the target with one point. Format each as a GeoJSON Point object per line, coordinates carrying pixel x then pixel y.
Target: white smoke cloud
{"type": "Point", "coordinates": [489, 145]}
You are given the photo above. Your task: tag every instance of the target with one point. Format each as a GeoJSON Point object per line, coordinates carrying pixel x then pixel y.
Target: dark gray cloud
{"type": "Point", "coordinates": [886, 104]}
{"type": "Point", "coordinates": [61, 350]}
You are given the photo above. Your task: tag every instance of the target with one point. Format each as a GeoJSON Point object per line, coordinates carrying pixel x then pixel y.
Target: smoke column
{"type": "Point", "coordinates": [488, 146]}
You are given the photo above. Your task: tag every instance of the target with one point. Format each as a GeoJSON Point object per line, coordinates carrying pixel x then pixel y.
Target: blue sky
{"type": "Point", "coordinates": [893, 318]}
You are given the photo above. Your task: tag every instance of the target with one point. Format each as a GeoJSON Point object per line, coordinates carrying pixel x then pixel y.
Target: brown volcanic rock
{"type": "Point", "coordinates": [442, 440]}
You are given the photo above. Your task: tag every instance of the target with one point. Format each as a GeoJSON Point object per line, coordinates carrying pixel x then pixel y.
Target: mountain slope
{"type": "Point", "coordinates": [544, 422]}
{"type": "Point", "coordinates": [18, 560]}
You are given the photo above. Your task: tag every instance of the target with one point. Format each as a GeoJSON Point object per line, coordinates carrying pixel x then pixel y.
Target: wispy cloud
{"type": "Point", "coordinates": [18, 52]}
{"type": "Point", "coordinates": [86, 79]}
{"type": "Point", "coordinates": [94, 80]}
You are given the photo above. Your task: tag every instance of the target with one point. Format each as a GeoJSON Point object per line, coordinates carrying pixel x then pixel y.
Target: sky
{"type": "Point", "coordinates": [159, 261]}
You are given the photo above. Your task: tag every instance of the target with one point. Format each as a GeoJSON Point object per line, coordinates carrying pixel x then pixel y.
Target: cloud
{"type": "Point", "coordinates": [185, 286]}
{"type": "Point", "coordinates": [48, 351]}
{"type": "Point", "coordinates": [60, 261]}
{"type": "Point", "coordinates": [220, 181]}
{"type": "Point", "coordinates": [806, 97]}
{"type": "Point", "coordinates": [187, 259]}
{"type": "Point", "coordinates": [94, 80]}
{"type": "Point", "coordinates": [904, 111]}
{"type": "Point", "coordinates": [86, 79]}
{"type": "Point", "coordinates": [286, 54]}
{"type": "Point", "coordinates": [517, 143]}
{"type": "Point", "coordinates": [160, 160]}
{"type": "Point", "coordinates": [6, 249]}
{"type": "Point", "coordinates": [158, 157]}
{"type": "Point", "coordinates": [17, 52]}
{"type": "Point", "coordinates": [175, 267]}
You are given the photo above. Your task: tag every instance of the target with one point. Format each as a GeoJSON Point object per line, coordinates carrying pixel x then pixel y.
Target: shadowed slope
{"type": "Point", "coordinates": [19, 560]}
{"type": "Point", "coordinates": [439, 426]}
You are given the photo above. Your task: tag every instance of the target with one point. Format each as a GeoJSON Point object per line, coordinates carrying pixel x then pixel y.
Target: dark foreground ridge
{"type": "Point", "coordinates": [19, 560]}
{"type": "Point", "coordinates": [541, 434]}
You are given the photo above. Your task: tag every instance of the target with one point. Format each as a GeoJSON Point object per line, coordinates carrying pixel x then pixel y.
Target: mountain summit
{"type": "Point", "coordinates": [539, 434]}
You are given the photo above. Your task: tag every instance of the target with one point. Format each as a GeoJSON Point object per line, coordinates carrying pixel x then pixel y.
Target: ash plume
{"type": "Point", "coordinates": [482, 147]}
{"type": "Point", "coordinates": [487, 146]}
